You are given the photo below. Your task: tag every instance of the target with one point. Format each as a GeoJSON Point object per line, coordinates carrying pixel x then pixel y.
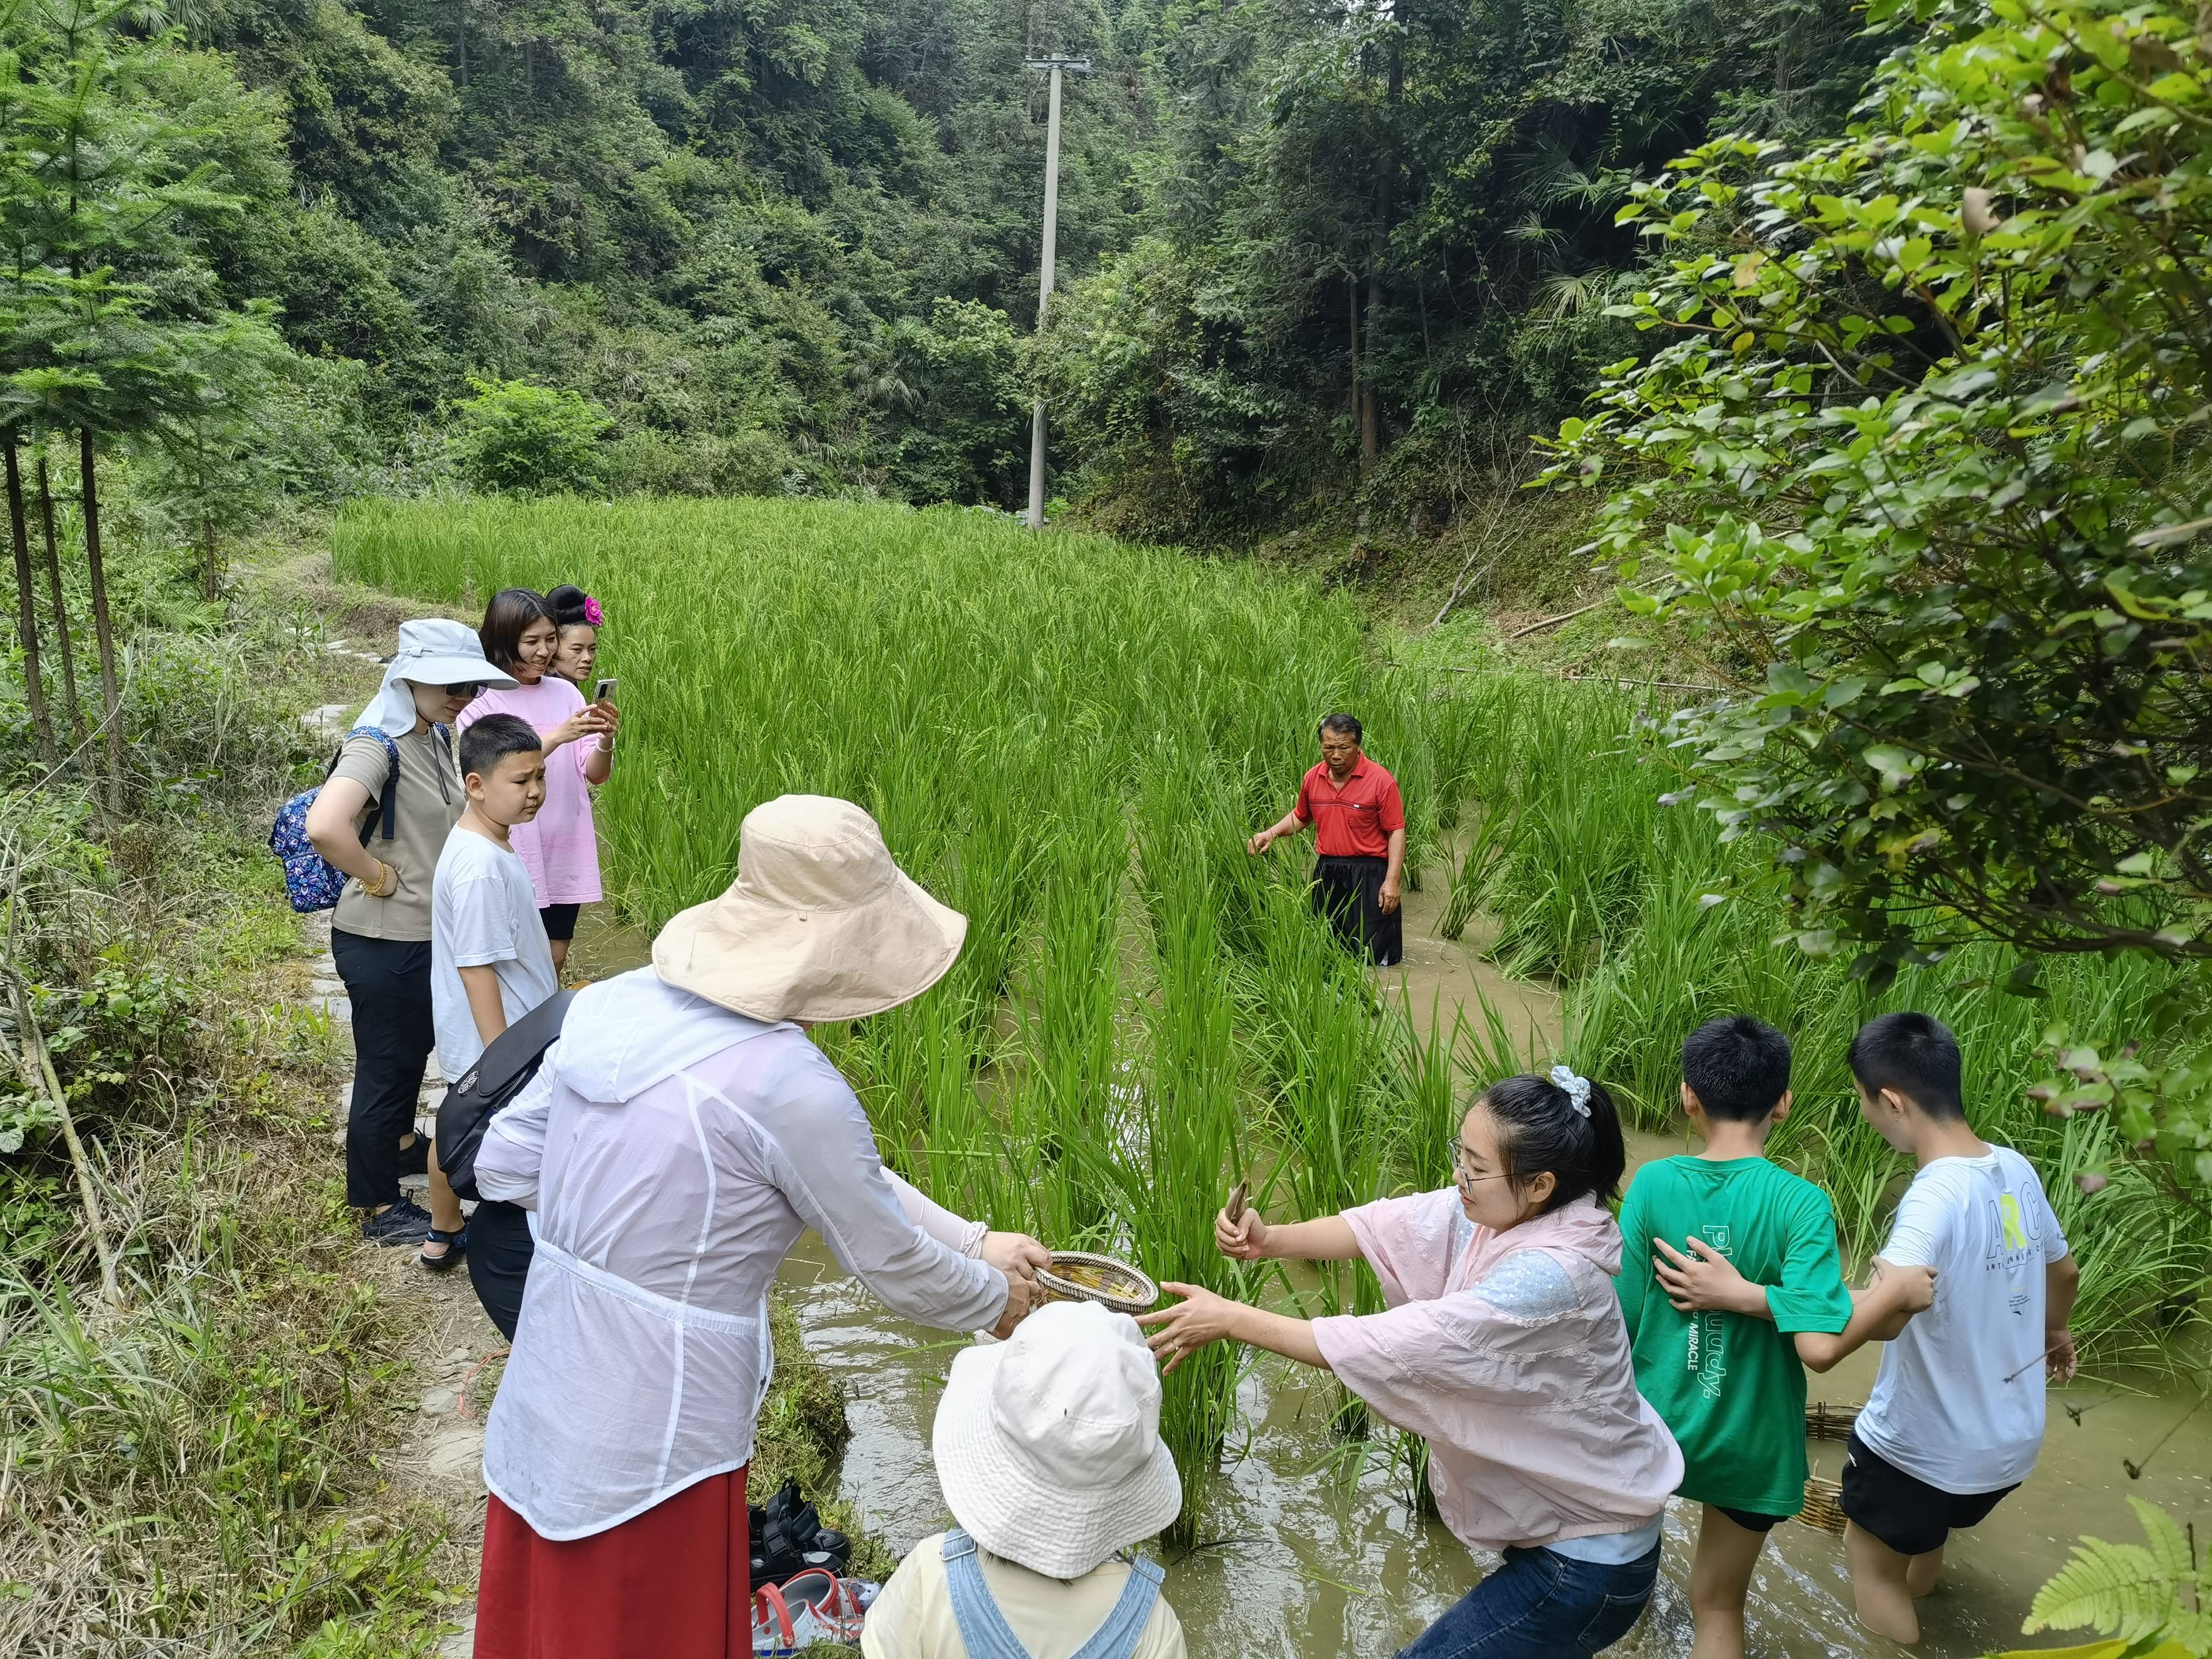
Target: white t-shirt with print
{"type": "Point", "coordinates": [483, 913]}
{"type": "Point", "coordinates": [1959, 1400]}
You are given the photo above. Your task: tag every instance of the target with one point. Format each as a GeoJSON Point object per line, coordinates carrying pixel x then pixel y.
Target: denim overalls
{"type": "Point", "coordinates": [983, 1627]}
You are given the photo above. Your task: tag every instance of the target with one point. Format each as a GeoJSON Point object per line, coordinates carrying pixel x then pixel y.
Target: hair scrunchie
{"type": "Point", "coordinates": [1577, 1088]}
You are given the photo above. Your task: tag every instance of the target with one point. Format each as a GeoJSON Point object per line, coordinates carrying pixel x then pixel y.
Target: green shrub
{"type": "Point", "coordinates": [530, 440]}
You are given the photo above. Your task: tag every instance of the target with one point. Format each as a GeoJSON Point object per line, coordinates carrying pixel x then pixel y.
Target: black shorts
{"type": "Point", "coordinates": [1903, 1510]}
{"type": "Point", "coordinates": [1750, 1520]}
{"type": "Point", "coordinates": [499, 1253]}
{"type": "Point", "coordinates": [559, 919]}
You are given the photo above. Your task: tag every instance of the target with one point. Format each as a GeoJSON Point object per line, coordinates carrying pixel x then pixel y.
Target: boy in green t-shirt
{"type": "Point", "coordinates": [1723, 1328]}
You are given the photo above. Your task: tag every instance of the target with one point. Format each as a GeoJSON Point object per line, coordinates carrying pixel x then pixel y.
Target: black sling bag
{"type": "Point", "coordinates": [497, 1077]}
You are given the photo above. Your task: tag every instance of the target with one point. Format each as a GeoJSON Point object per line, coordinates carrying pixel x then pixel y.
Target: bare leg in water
{"type": "Point", "coordinates": [1884, 1584]}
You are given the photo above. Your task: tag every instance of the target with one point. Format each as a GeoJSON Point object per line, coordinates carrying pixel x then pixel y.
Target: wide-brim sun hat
{"type": "Point", "coordinates": [820, 924]}
{"type": "Point", "coordinates": [433, 651]}
{"type": "Point", "coordinates": [1048, 1444]}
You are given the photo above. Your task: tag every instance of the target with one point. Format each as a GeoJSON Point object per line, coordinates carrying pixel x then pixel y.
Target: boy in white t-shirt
{"type": "Point", "coordinates": [489, 961]}
{"type": "Point", "coordinates": [1956, 1417]}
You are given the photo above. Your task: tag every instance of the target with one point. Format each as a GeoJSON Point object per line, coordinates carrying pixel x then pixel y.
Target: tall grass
{"type": "Point", "coordinates": [1069, 738]}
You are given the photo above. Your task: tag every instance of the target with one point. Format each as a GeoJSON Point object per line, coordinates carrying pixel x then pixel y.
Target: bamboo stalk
{"type": "Point", "coordinates": [44, 1080]}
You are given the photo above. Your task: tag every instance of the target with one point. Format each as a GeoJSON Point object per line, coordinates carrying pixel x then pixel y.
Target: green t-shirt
{"type": "Point", "coordinates": [1731, 1387]}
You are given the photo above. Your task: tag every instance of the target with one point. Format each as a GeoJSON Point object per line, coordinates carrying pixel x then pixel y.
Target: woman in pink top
{"type": "Point", "coordinates": [1503, 1348]}
{"type": "Point", "coordinates": [560, 849]}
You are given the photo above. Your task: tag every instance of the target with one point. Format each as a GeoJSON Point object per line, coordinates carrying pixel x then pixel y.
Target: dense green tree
{"type": "Point", "coordinates": [111, 174]}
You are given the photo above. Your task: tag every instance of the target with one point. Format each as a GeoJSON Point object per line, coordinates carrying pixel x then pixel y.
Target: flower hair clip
{"type": "Point", "coordinates": [592, 614]}
{"type": "Point", "coordinates": [1577, 1088]}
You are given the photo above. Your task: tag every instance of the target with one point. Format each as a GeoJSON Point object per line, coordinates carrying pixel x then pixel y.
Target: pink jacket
{"type": "Point", "coordinates": [1506, 1352]}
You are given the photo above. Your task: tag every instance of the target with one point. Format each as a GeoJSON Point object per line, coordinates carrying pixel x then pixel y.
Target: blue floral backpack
{"type": "Point", "coordinates": [312, 881]}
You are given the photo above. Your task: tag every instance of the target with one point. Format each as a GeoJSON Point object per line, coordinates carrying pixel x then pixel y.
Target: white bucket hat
{"type": "Point", "coordinates": [433, 651]}
{"type": "Point", "coordinates": [1048, 1446]}
{"type": "Point", "coordinates": [819, 924]}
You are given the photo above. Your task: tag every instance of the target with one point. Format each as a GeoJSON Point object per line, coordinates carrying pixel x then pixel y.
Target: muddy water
{"type": "Point", "coordinates": [1442, 976]}
{"type": "Point", "coordinates": [1304, 1562]}
{"type": "Point", "coordinates": [1301, 1558]}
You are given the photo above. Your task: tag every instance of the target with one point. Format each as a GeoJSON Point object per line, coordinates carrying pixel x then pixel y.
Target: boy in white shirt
{"type": "Point", "coordinates": [1956, 1417]}
{"type": "Point", "coordinates": [489, 961]}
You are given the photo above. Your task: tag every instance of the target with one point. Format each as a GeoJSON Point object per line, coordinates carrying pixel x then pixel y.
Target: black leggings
{"type": "Point", "coordinates": [388, 982]}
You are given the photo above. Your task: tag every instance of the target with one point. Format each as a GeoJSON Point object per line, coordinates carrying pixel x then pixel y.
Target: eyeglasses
{"type": "Point", "coordinates": [1460, 1157]}
{"type": "Point", "coordinates": [466, 688]}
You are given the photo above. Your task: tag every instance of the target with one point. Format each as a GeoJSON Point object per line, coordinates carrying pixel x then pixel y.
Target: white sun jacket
{"type": "Point", "coordinates": [673, 1152]}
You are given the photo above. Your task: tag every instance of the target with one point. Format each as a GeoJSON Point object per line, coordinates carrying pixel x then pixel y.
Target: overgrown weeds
{"type": "Point", "coordinates": [194, 1469]}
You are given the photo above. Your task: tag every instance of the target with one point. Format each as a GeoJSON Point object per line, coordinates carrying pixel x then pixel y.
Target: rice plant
{"type": "Point", "coordinates": [1069, 738]}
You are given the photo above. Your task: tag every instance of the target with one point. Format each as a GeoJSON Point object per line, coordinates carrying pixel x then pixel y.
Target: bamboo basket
{"type": "Point", "coordinates": [1086, 1276]}
{"type": "Point", "coordinates": [1824, 1505]}
{"type": "Point", "coordinates": [1826, 1422]}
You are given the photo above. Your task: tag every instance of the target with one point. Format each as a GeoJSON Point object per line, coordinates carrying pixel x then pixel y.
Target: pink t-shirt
{"type": "Point", "coordinates": [560, 848]}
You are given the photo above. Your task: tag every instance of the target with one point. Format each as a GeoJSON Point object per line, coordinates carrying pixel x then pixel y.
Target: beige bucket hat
{"type": "Point", "coordinates": [1048, 1444]}
{"type": "Point", "coordinates": [819, 924]}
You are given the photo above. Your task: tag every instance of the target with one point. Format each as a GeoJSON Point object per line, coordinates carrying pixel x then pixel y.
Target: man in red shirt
{"type": "Point", "coordinates": [1359, 837]}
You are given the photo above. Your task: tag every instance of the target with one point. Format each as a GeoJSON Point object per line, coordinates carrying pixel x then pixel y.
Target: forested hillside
{"type": "Point", "coordinates": [794, 247]}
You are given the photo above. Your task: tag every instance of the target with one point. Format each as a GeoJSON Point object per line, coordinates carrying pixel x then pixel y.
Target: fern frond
{"type": "Point", "coordinates": [2169, 1545]}
{"type": "Point", "coordinates": [2135, 1592]}
{"type": "Point", "coordinates": [2116, 1590]}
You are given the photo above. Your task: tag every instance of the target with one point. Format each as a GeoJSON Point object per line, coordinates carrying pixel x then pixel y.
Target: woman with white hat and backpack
{"type": "Point", "coordinates": [1048, 1452]}
{"type": "Point", "coordinates": [675, 1142]}
{"type": "Point", "coordinates": [380, 819]}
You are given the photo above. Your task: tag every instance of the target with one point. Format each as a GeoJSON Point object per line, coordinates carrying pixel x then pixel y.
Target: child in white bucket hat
{"type": "Point", "coordinates": [1049, 1451]}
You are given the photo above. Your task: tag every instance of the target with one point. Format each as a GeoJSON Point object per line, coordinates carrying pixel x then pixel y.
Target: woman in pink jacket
{"type": "Point", "coordinates": [560, 848]}
{"type": "Point", "coordinates": [1503, 1348]}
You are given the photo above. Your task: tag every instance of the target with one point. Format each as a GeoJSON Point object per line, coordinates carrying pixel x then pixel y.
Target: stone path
{"type": "Point", "coordinates": [457, 1358]}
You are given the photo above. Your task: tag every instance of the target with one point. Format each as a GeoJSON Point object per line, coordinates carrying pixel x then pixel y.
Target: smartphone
{"type": "Point", "coordinates": [606, 691]}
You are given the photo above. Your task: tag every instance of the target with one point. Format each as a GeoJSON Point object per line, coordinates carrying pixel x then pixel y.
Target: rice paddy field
{"type": "Point", "coordinates": [1070, 739]}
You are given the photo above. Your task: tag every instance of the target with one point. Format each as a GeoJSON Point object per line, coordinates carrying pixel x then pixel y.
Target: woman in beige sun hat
{"type": "Point", "coordinates": [819, 925]}
{"type": "Point", "coordinates": [676, 1141]}
{"type": "Point", "coordinates": [1048, 1452]}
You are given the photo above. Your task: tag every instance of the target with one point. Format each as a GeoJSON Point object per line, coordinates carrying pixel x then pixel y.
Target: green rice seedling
{"type": "Point", "coordinates": [1069, 738]}
{"type": "Point", "coordinates": [1180, 1132]}
{"type": "Point", "coordinates": [1067, 1015]}
{"type": "Point", "coordinates": [1432, 1104]}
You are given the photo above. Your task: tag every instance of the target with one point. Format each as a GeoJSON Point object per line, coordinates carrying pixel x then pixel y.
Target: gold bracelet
{"type": "Point", "coordinates": [387, 882]}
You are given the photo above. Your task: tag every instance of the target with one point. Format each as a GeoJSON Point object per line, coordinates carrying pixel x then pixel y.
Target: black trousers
{"type": "Point", "coordinates": [388, 982]}
{"type": "Point", "coordinates": [1349, 892]}
{"type": "Point", "coordinates": [499, 1249]}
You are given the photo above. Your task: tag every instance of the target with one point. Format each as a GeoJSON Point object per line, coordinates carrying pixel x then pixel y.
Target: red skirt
{"type": "Point", "coordinates": [674, 1582]}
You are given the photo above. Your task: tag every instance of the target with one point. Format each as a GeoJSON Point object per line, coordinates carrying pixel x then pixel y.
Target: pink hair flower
{"type": "Point", "coordinates": [592, 614]}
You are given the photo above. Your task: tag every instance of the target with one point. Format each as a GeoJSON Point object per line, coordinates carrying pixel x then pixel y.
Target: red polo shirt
{"type": "Point", "coordinates": [1356, 821]}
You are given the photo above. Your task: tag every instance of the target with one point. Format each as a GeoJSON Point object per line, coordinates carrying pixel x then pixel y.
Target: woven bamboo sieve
{"type": "Point", "coordinates": [1824, 1505]}
{"type": "Point", "coordinates": [1086, 1276]}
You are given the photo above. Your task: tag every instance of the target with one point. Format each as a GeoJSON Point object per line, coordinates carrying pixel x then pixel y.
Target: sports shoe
{"type": "Point", "coordinates": [405, 1223]}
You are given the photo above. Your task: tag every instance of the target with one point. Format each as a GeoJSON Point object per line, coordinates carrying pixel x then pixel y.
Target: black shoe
{"type": "Point", "coordinates": [405, 1223]}
{"type": "Point", "coordinates": [797, 1542]}
{"type": "Point", "coordinates": [456, 1243]}
{"type": "Point", "coordinates": [416, 1160]}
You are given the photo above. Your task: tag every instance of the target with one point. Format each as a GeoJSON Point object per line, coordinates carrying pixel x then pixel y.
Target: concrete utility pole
{"type": "Point", "coordinates": [1057, 65]}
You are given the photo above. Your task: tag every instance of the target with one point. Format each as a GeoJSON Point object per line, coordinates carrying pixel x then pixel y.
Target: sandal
{"type": "Point", "coordinates": [456, 1243]}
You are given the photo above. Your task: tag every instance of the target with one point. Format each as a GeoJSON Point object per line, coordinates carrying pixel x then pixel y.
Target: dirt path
{"type": "Point", "coordinates": [457, 1350]}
